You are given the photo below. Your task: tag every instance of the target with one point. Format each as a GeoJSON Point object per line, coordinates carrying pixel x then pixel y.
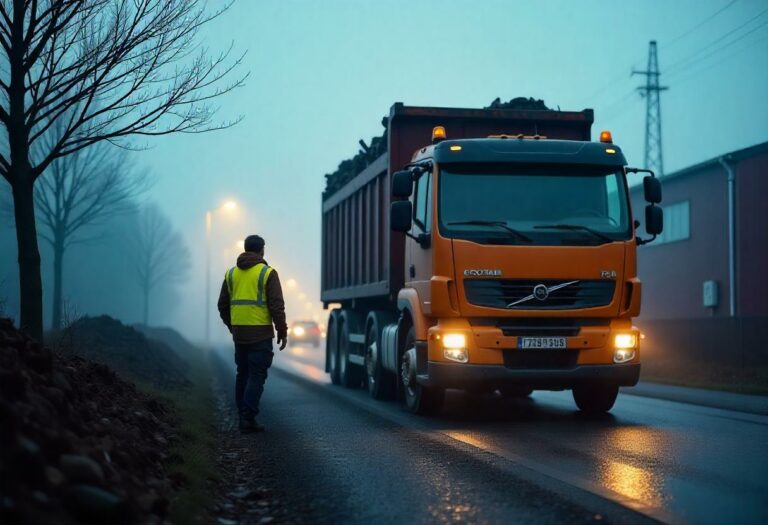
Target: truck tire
{"type": "Point", "coordinates": [380, 382]}
{"type": "Point", "coordinates": [350, 375]}
{"type": "Point", "coordinates": [419, 399]}
{"type": "Point", "coordinates": [595, 399]}
{"type": "Point", "coordinates": [332, 347]}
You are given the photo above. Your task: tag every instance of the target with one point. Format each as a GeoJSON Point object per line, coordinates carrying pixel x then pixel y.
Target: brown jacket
{"type": "Point", "coordinates": [275, 304]}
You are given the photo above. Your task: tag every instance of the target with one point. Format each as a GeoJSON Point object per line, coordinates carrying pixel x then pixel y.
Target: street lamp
{"type": "Point", "coordinates": [228, 206]}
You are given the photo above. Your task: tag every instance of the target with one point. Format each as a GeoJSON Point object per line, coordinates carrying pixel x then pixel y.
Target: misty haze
{"type": "Point", "coordinates": [383, 261]}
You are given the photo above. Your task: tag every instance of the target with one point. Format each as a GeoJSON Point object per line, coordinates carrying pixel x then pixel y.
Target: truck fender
{"type": "Point", "coordinates": [408, 301]}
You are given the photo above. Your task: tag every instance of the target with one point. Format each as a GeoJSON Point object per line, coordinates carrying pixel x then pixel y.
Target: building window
{"type": "Point", "coordinates": [677, 223]}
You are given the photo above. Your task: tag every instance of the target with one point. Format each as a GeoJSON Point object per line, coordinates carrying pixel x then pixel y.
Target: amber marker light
{"type": "Point", "coordinates": [605, 136]}
{"type": "Point", "coordinates": [438, 134]}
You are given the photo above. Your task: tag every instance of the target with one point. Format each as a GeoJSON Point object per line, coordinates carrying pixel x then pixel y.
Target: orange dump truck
{"type": "Point", "coordinates": [485, 250]}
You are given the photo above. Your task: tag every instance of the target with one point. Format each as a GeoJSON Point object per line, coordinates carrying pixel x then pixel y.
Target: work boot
{"type": "Point", "coordinates": [249, 425]}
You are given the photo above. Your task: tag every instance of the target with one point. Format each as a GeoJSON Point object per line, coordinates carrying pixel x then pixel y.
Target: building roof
{"type": "Point", "coordinates": [733, 156]}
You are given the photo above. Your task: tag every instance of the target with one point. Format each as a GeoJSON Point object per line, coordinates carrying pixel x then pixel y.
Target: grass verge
{"type": "Point", "coordinates": [193, 453]}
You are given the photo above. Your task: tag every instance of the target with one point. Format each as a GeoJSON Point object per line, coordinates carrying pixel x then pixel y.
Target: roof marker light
{"type": "Point", "coordinates": [455, 148]}
{"type": "Point", "coordinates": [605, 136]}
{"type": "Point", "coordinates": [438, 134]}
{"type": "Point", "coordinates": [610, 150]}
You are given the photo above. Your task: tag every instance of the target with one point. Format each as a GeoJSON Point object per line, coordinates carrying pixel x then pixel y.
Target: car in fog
{"type": "Point", "coordinates": [305, 332]}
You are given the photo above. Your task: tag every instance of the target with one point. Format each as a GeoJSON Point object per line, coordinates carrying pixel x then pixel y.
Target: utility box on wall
{"type": "Point", "coordinates": [710, 294]}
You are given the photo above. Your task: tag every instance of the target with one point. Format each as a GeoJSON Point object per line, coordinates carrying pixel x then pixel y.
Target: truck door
{"type": "Point", "coordinates": [419, 255]}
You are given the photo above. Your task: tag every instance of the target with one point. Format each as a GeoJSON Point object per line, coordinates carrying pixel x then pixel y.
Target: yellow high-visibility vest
{"type": "Point", "coordinates": [248, 295]}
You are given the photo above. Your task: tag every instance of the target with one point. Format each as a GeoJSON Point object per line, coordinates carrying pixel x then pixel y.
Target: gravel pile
{"type": "Point", "coordinates": [77, 443]}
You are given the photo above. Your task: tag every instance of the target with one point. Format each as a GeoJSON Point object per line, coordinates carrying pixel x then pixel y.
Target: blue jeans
{"type": "Point", "coordinates": [252, 360]}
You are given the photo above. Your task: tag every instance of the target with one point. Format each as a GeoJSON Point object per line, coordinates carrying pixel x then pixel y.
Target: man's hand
{"type": "Point", "coordinates": [282, 340]}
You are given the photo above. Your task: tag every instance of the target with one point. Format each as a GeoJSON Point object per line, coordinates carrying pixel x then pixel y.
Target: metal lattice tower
{"type": "Point", "coordinates": [654, 157]}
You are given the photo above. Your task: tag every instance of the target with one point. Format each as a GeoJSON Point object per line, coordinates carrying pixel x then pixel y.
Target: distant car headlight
{"type": "Point", "coordinates": [298, 331]}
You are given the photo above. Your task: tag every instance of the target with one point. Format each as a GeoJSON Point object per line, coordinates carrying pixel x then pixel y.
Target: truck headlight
{"type": "Point", "coordinates": [625, 341]}
{"type": "Point", "coordinates": [622, 355]}
{"type": "Point", "coordinates": [456, 354]}
{"type": "Point", "coordinates": [454, 341]}
{"type": "Point", "coordinates": [455, 348]}
{"type": "Point", "coordinates": [624, 347]}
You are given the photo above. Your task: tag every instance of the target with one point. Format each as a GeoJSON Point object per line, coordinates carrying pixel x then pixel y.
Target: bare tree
{"type": "Point", "coordinates": [105, 70]}
{"type": "Point", "coordinates": [81, 190]}
{"type": "Point", "coordinates": [161, 257]}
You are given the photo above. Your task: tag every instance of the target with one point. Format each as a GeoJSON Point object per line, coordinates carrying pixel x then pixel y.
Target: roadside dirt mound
{"type": "Point", "coordinates": [77, 444]}
{"type": "Point", "coordinates": [125, 350]}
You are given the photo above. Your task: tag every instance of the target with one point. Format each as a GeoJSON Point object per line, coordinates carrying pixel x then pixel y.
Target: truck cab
{"type": "Point", "coordinates": [521, 269]}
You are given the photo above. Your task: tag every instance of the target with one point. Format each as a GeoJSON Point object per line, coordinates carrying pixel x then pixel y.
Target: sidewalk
{"type": "Point", "coordinates": [750, 404]}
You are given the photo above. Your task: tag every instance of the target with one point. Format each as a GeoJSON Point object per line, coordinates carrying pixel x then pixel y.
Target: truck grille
{"type": "Point", "coordinates": [500, 293]}
{"type": "Point", "coordinates": [558, 326]}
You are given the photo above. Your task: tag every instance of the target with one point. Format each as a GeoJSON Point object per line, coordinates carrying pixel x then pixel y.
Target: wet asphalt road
{"type": "Point", "coordinates": [344, 457]}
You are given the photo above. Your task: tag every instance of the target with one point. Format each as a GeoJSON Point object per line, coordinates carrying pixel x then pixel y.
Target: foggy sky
{"type": "Point", "coordinates": [324, 73]}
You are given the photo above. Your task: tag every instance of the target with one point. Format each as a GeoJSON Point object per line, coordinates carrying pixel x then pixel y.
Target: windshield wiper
{"type": "Point", "coordinates": [574, 227]}
{"type": "Point", "coordinates": [501, 224]}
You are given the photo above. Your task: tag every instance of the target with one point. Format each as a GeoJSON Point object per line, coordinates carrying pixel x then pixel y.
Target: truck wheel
{"type": "Point", "coordinates": [516, 391]}
{"type": "Point", "coordinates": [332, 349]}
{"type": "Point", "coordinates": [381, 384]}
{"type": "Point", "coordinates": [418, 398]}
{"type": "Point", "coordinates": [350, 375]}
{"type": "Point", "coordinates": [595, 399]}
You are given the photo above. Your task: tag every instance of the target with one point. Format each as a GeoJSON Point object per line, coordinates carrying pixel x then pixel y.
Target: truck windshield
{"type": "Point", "coordinates": [548, 205]}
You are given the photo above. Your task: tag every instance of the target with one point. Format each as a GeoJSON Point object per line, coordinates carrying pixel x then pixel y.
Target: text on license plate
{"type": "Point", "coordinates": [541, 342]}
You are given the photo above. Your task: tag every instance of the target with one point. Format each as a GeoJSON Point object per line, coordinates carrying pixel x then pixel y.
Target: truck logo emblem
{"type": "Point", "coordinates": [541, 292]}
{"type": "Point", "coordinates": [482, 273]}
{"type": "Point", "coordinates": [608, 274]}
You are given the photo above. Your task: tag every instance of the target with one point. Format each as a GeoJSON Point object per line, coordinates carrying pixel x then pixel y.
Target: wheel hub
{"type": "Point", "coordinates": [370, 359]}
{"type": "Point", "coordinates": [408, 370]}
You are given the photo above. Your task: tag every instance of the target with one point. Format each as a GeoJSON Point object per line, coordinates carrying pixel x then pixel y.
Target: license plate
{"type": "Point", "coordinates": [541, 342]}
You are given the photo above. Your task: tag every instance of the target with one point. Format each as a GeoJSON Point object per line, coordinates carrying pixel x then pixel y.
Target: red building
{"type": "Point", "coordinates": [705, 279]}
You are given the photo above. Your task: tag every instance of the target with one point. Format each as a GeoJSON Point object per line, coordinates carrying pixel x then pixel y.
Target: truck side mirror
{"type": "Point", "coordinates": [652, 189]}
{"type": "Point", "coordinates": [654, 220]}
{"type": "Point", "coordinates": [400, 216]}
{"type": "Point", "coordinates": [402, 184]}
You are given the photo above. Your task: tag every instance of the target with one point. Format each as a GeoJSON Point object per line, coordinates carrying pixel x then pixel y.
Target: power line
{"type": "Point", "coordinates": [700, 24]}
{"type": "Point", "coordinates": [692, 56]}
{"type": "Point", "coordinates": [718, 50]}
{"type": "Point", "coordinates": [722, 60]}
{"type": "Point", "coordinates": [622, 76]}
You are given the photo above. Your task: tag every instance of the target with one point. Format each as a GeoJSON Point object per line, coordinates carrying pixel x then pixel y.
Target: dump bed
{"type": "Point", "coordinates": [361, 257]}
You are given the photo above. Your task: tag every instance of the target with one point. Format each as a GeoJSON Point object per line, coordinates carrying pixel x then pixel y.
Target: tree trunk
{"type": "Point", "coordinates": [58, 264]}
{"type": "Point", "coordinates": [22, 179]}
{"type": "Point", "coordinates": [146, 305]}
{"type": "Point", "coordinates": [30, 282]}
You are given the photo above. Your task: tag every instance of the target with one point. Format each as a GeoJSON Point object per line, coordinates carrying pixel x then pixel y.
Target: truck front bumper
{"type": "Point", "coordinates": [462, 376]}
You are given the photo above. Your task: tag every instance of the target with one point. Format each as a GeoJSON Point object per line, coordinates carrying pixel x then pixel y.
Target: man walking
{"type": "Point", "coordinates": [251, 301]}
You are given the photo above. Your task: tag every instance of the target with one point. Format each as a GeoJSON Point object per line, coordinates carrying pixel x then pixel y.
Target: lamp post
{"type": "Point", "coordinates": [228, 206]}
